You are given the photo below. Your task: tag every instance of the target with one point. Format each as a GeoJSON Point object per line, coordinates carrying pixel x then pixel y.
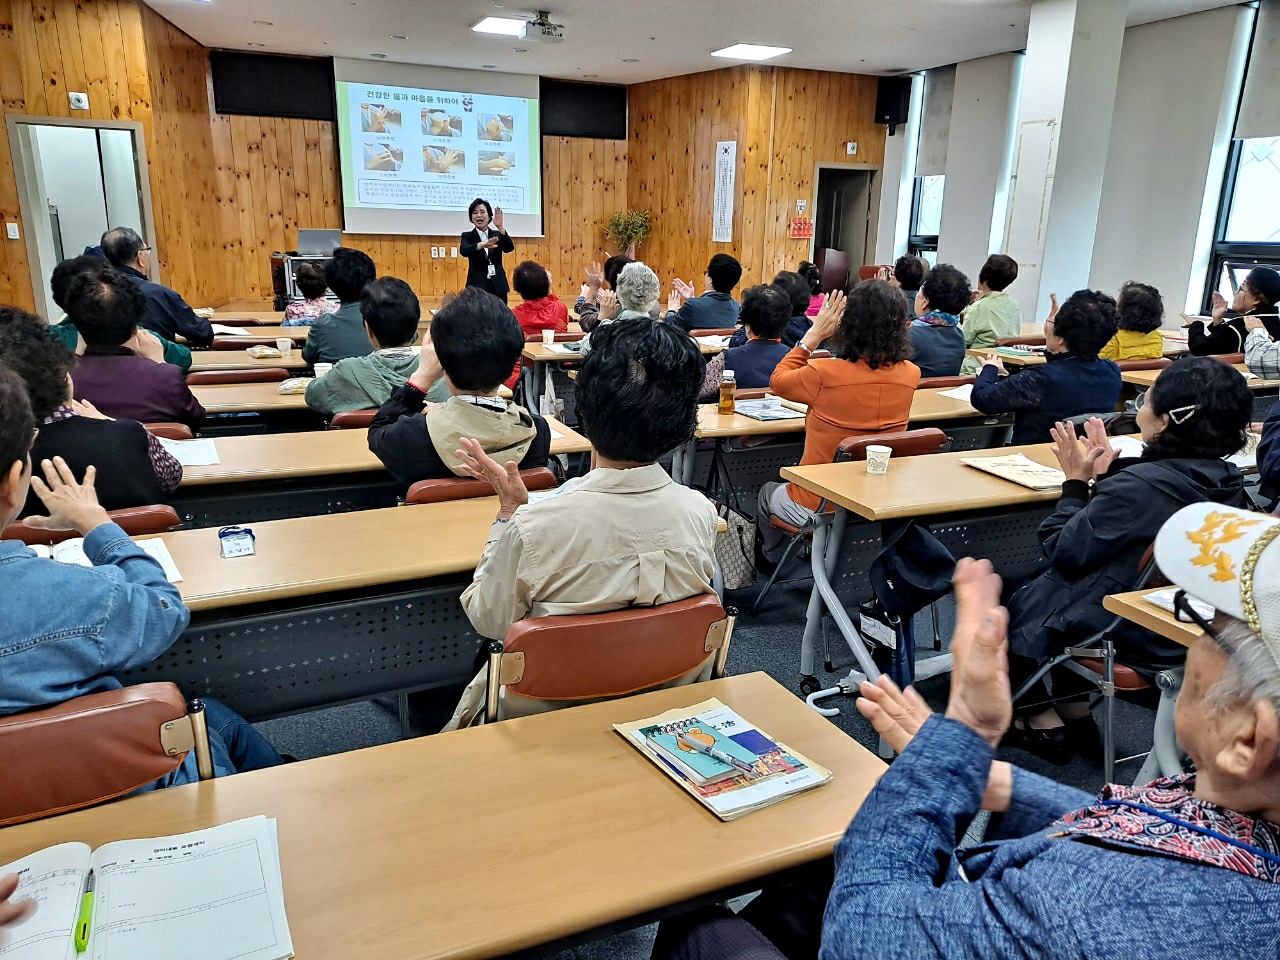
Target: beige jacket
{"type": "Point", "coordinates": [606, 541]}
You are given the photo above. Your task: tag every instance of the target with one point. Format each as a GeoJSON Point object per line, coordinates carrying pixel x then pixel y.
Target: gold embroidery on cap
{"type": "Point", "coordinates": [1218, 528]}
{"type": "Point", "coordinates": [1246, 576]}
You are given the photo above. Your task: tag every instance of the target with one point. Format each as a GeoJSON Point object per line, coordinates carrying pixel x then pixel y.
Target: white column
{"type": "Point", "coordinates": [897, 178]}
{"type": "Point", "coordinates": [979, 157]}
{"type": "Point", "coordinates": [1064, 128]}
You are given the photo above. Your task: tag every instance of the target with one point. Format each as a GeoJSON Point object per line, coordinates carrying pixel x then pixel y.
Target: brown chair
{"type": "Point", "coordinates": [929, 383]}
{"type": "Point", "coordinates": [750, 393]}
{"type": "Point", "coordinates": [248, 375]}
{"type": "Point", "coordinates": [170, 431]}
{"type": "Point", "coordinates": [905, 443]}
{"type": "Point", "coordinates": [714, 332]}
{"type": "Point", "coordinates": [869, 271]}
{"type": "Point", "coordinates": [466, 488]}
{"type": "Point", "coordinates": [353, 420]}
{"type": "Point", "coordinates": [559, 337]}
{"type": "Point", "coordinates": [229, 342]}
{"type": "Point", "coordinates": [546, 663]}
{"type": "Point", "coordinates": [135, 521]}
{"type": "Point", "coordinates": [1036, 341]}
{"type": "Point", "coordinates": [96, 748]}
{"type": "Point", "coordinates": [1158, 363]}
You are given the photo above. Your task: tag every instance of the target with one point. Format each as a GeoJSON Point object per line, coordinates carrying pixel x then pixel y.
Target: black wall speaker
{"type": "Point", "coordinates": [268, 85]}
{"type": "Point", "coordinates": [893, 101]}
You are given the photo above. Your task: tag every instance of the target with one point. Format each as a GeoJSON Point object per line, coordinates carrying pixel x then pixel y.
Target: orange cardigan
{"type": "Point", "coordinates": [845, 399]}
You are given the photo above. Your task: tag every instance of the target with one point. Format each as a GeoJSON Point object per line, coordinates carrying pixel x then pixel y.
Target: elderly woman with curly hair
{"type": "Point", "coordinates": [867, 387]}
{"type": "Point", "coordinates": [638, 289]}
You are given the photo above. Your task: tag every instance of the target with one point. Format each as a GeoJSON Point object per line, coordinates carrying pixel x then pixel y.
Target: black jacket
{"type": "Point", "coordinates": [1268, 454]}
{"type": "Point", "coordinates": [168, 314]}
{"type": "Point", "coordinates": [1094, 545]}
{"type": "Point", "coordinates": [398, 437]}
{"type": "Point", "coordinates": [478, 266]}
{"type": "Point", "coordinates": [118, 448]}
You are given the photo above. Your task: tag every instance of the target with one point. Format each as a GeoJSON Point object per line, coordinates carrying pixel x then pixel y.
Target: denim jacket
{"type": "Point", "coordinates": [902, 891]}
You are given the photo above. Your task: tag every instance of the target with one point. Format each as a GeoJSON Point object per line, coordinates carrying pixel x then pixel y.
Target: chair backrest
{"type": "Point", "coordinates": [933, 382]}
{"type": "Point", "coordinates": [228, 342]}
{"type": "Point", "coordinates": [904, 443]}
{"type": "Point", "coordinates": [559, 337]}
{"type": "Point", "coordinates": [1158, 363]}
{"type": "Point", "coordinates": [750, 393]}
{"type": "Point", "coordinates": [561, 661]}
{"type": "Point", "coordinates": [249, 375]}
{"type": "Point", "coordinates": [135, 521]}
{"type": "Point", "coordinates": [91, 749]}
{"type": "Point", "coordinates": [1036, 341]}
{"type": "Point", "coordinates": [869, 271]}
{"type": "Point", "coordinates": [170, 431]}
{"type": "Point", "coordinates": [352, 419]}
{"type": "Point", "coordinates": [465, 488]}
{"type": "Point", "coordinates": [1229, 357]}
{"type": "Point", "coordinates": [713, 332]}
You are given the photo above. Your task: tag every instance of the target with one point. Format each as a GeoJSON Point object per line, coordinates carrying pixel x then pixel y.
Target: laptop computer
{"type": "Point", "coordinates": [318, 243]}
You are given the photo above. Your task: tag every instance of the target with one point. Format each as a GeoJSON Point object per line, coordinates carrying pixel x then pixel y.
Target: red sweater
{"type": "Point", "coordinates": [547, 313]}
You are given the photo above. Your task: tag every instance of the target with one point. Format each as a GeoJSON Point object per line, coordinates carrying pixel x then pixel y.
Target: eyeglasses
{"type": "Point", "coordinates": [145, 250]}
{"type": "Point", "coordinates": [1178, 415]}
{"type": "Point", "coordinates": [1184, 612]}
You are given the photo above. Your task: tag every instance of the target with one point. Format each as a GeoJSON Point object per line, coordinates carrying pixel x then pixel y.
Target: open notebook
{"type": "Point", "coordinates": [72, 551]}
{"type": "Point", "coordinates": [214, 894]}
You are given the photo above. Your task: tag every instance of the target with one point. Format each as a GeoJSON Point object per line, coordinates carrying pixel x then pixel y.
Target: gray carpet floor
{"type": "Point", "coordinates": [769, 642]}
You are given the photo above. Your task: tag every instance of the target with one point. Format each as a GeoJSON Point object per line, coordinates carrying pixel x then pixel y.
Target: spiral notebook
{"type": "Point", "coordinates": [779, 772]}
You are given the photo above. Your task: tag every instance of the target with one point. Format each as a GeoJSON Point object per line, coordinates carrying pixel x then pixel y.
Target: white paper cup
{"type": "Point", "coordinates": [548, 336]}
{"type": "Point", "coordinates": [878, 459]}
{"type": "Point", "coordinates": [322, 368]}
{"type": "Point", "coordinates": [284, 344]}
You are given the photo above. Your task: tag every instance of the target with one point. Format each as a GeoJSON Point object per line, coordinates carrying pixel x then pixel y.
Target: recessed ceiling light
{"type": "Point", "coordinates": [378, 56]}
{"type": "Point", "coordinates": [750, 51]}
{"type": "Point", "coordinates": [399, 36]}
{"type": "Point", "coordinates": [252, 44]}
{"type": "Point", "coordinates": [501, 26]}
{"type": "Point", "coordinates": [630, 60]}
{"type": "Point", "coordinates": [265, 23]}
{"type": "Point", "coordinates": [590, 76]}
{"type": "Point", "coordinates": [489, 66]}
{"type": "Point", "coordinates": [519, 49]}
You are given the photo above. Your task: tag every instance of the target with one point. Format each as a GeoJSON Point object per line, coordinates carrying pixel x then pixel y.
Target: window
{"type": "Point", "coordinates": [1248, 231]}
{"type": "Point", "coordinates": [926, 217]}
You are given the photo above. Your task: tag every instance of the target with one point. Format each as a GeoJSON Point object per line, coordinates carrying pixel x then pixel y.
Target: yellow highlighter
{"type": "Point", "coordinates": [86, 915]}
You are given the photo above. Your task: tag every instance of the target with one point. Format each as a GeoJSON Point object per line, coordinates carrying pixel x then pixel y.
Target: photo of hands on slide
{"type": "Point", "coordinates": [495, 164]}
{"type": "Point", "coordinates": [375, 118]}
{"type": "Point", "coordinates": [378, 156]}
{"type": "Point", "coordinates": [497, 127]}
{"type": "Point", "coordinates": [440, 123]}
{"type": "Point", "coordinates": [443, 160]}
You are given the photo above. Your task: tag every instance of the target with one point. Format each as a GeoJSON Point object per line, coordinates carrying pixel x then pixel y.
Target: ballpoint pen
{"type": "Point", "coordinates": [86, 915]}
{"type": "Point", "coordinates": [715, 753]}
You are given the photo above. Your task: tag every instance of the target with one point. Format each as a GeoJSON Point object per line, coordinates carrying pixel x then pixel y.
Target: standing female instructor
{"type": "Point", "coordinates": [484, 247]}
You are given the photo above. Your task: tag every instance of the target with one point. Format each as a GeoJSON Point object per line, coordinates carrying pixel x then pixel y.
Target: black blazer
{"type": "Point", "coordinates": [478, 267]}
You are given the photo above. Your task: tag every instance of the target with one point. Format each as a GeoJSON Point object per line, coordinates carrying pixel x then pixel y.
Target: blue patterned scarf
{"type": "Point", "coordinates": [936, 318]}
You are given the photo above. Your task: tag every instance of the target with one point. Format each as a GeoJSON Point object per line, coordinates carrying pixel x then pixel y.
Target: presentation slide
{"type": "Point", "coordinates": [413, 158]}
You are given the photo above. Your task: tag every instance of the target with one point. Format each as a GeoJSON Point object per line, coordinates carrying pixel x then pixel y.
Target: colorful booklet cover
{"type": "Point", "coordinates": [780, 772]}
{"type": "Point", "coordinates": [770, 408]}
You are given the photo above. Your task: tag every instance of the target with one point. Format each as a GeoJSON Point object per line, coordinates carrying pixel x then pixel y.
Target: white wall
{"type": "Point", "coordinates": [120, 180]}
{"type": "Point", "coordinates": [72, 177]}
{"type": "Point", "coordinates": [1179, 82]}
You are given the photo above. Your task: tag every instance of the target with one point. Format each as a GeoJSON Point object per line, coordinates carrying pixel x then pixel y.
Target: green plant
{"type": "Point", "coordinates": [627, 227]}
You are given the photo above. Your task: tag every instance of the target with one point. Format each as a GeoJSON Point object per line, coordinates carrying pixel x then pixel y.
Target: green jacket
{"type": "Point", "coordinates": [174, 353]}
{"type": "Point", "coordinates": [994, 316]}
{"type": "Point", "coordinates": [337, 336]}
{"type": "Point", "coordinates": [365, 383]}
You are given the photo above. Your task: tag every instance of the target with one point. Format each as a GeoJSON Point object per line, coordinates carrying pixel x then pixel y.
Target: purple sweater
{"type": "Point", "coordinates": [128, 387]}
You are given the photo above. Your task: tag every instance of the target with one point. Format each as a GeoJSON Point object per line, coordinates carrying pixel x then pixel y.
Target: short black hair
{"type": "Point", "coordinates": [531, 281]}
{"type": "Point", "coordinates": [725, 272]}
{"type": "Point", "coordinates": [910, 272]}
{"type": "Point", "coordinates": [998, 272]}
{"type": "Point", "coordinates": [637, 392]}
{"type": "Point", "coordinates": [478, 202]}
{"type": "Point", "coordinates": [811, 273]}
{"type": "Point", "coordinates": [65, 273]}
{"type": "Point", "coordinates": [612, 267]}
{"type": "Point", "coordinates": [348, 272]}
{"type": "Point", "coordinates": [477, 339]}
{"type": "Point", "coordinates": [1140, 306]}
{"type": "Point", "coordinates": [121, 246]}
{"type": "Point", "coordinates": [106, 308]}
{"type": "Point", "coordinates": [796, 289]}
{"type": "Point", "coordinates": [1213, 402]}
{"type": "Point", "coordinates": [309, 279]}
{"type": "Point", "coordinates": [40, 359]}
{"type": "Point", "coordinates": [392, 311]}
{"type": "Point", "coordinates": [1086, 322]}
{"type": "Point", "coordinates": [765, 310]}
{"type": "Point", "coordinates": [17, 425]}
{"type": "Point", "coordinates": [947, 289]}
{"type": "Point", "coordinates": [874, 326]}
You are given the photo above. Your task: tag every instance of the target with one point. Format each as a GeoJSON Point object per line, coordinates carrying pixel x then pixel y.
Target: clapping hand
{"type": "Point", "coordinates": [1095, 432]}
{"type": "Point", "coordinates": [505, 480]}
{"type": "Point", "coordinates": [1219, 307]}
{"type": "Point", "coordinates": [429, 369]}
{"type": "Point", "coordinates": [981, 698]}
{"type": "Point", "coordinates": [595, 280]}
{"type": "Point", "coordinates": [608, 305]}
{"type": "Point", "coordinates": [71, 505]}
{"type": "Point", "coordinates": [1078, 460]}
{"type": "Point", "coordinates": [680, 292]}
{"type": "Point", "coordinates": [12, 913]}
{"type": "Point", "coordinates": [827, 320]}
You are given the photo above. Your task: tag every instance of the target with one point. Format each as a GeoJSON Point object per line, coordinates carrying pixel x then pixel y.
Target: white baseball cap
{"type": "Point", "coordinates": [1229, 558]}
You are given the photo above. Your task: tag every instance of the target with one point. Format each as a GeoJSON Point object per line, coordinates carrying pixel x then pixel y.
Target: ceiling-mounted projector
{"type": "Point", "coordinates": [541, 30]}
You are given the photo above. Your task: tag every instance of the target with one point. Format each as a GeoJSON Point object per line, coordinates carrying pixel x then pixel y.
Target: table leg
{"type": "Point", "coordinates": [827, 539]}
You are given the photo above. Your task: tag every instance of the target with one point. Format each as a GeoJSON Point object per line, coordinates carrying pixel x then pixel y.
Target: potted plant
{"type": "Point", "coordinates": [627, 228]}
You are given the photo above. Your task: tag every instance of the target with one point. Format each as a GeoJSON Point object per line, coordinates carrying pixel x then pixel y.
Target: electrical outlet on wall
{"type": "Point", "coordinates": [79, 101]}
{"type": "Point", "coordinates": [435, 252]}
{"type": "Point", "coordinates": [453, 252]}
{"type": "Point", "coordinates": [851, 147]}
{"type": "Point", "coordinates": [12, 229]}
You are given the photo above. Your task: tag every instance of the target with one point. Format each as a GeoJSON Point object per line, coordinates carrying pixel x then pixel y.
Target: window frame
{"type": "Point", "coordinates": [918, 243]}
{"type": "Point", "coordinates": [1224, 252]}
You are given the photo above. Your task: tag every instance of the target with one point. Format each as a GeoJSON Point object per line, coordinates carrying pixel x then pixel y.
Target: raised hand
{"type": "Point", "coordinates": [1076, 459]}
{"type": "Point", "coordinates": [429, 369]}
{"type": "Point", "coordinates": [595, 279]}
{"type": "Point", "coordinates": [1095, 432]}
{"type": "Point", "coordinates": [497, 220]}
{"type": "Point", "coordinates": [897, 715]}
{"type": "Point", "coordinates": [678, 296]}
{"type": "Point", "coordinates": [980, 695]}
{"type": "Point", "coordinates": [1053, 307]}
{"type": "Point", "coordinates": [505, 479]}
{"type": "Point", "coordinates": [1219, 309]}
{"type": "Point", "coordinates": [71, 505]}
{"type": "Point", "coordinates": [827, 320]}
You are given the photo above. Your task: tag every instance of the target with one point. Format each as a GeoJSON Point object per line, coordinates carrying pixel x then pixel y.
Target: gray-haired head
{"type": "Point", "coordinates": [638, 288]}
{"type": "Point", "coordinates": [1252, 673]}
{"type": "Point", "coordinates": [122, 245]}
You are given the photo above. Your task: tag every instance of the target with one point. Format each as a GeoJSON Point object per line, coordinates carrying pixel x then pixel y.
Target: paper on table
{"type": "Point", "coordinates": [231, 331]}
{"type": "Point", "coordinates": [1164, 600]}
{"type": "Point", "coordinates": [1248, 375]}
{"type": "Point", "coordinates": [192, 453]}
{"type": "Point", "coordinates": [962, 392]}
{"type": "Point", "coordinates": [160, 553]}
{"type": "Point", "coordinates": [713, 341]}
{"type": "Point", "coordinates": [1018, 468]}
{"type": "Point", "coordinates": [1128, 446]}
{"type": "Point", "coordinates": [54, 878]}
